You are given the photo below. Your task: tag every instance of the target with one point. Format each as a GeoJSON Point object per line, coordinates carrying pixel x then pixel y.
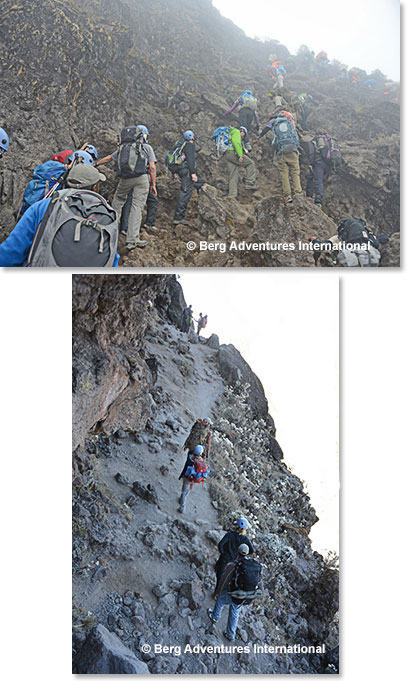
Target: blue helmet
{"type": "Point", "coordinates": [4, 141]}
{"type": "Point", "coordinates": [242, 523]}
{"type": "Point", "coordinates": [92, 151]}
{"type": "Point", "coordinates": [143, 130]}
{"type": "Point", "coordinates": [198, 450]}
{"type": "Point", "coordinates": [81, 157]}
{"type": "Point", "coordinates": [243, 128]}
{"type": "Point", "coordinates": [189, 135]}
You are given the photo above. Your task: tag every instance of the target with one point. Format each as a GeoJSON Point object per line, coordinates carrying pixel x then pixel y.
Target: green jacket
{"type": "Point", "coordinates": [236, 139]}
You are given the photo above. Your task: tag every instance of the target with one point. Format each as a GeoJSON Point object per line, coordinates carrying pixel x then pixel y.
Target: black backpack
{"type": "Point", "coordinates": [79, 229]}
{"type": "Point", "coordinates": [245, 586]}
{"type": "Point", "coordinates": [132, 158]}
{"type": "Point", "coordinates": [354, 231]}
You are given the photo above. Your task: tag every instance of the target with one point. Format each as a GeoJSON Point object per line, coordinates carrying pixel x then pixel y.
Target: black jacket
{"type": "Point", "coordinates": [229, 544]}
{"type": "Point", "coordinates": [189, 151]}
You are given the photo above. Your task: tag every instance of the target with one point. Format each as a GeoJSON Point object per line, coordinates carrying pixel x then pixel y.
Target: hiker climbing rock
{"type": "Point", "coordinates": [241, 585]}
{"type": "Point", "coordinates": [181, 161]}
{"type": "Point", "coordinates": [151, 206]}
{"type": "Point", "coordinates": [73, 228]}
{"type": "Point", "coordinates": [4, 142]}
{"type": "Point", "coordinates": [133, 157]}
{"type": "Point", "coordinates": [247, 111]}
{"type": "Point", "coordinates": [277, 72]}
{"type": "Point", "coordinates": [286, 144]}
{"type": "Point", "coordinates": [228, 547]}
{"type": "Point", "coordinates": [321, 61]}
{"type": "Point", "coordinates": [305, 109]}
{"type": "Point", "coordinates": [187, 316]}
{"type": "Point", "coordinates": [202, 322]}
{"type": "Point", "coordinates": [229, 146]}
{"type": "Point", "coordinates": [196, 470]}
{"type": "Point", "coordinates": [359, 245]}
{"type": "Point", "coordinates": [324, 157]}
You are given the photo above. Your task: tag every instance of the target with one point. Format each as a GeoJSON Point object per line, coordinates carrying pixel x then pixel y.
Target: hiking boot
{"type": "Point", "coordinates": [251, 187]}
{"type": "Point", "coordinates": [141, 244]}
{"type": "Point", "coordinates": [181, 222]}
{"type": "Point", "coordinates": [228, 637]}
{"type": "Point", "coordinates": [289, 199]}
{"type": "Point", "coordinates": [318, 205]}
{"type": "Point", "coordinates": [123, 231]}
{"type": "Point", "coordinates": [210, 613]}
{"type": "Point", "coordinates": [227, 196]}
{"type": "Point", "coordinates": [150, 228]}
{"type": "Point", "coordinates": [130, 247]}
{"type": "Point", "coordinates": [181, 510]}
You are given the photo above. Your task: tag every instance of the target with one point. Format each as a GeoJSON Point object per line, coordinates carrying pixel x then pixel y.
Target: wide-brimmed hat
{"type": "Point", "coordinates": [84, 175]}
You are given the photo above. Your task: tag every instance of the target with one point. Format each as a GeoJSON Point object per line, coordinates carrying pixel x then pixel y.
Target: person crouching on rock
{"type": "Point", "coordinates": [195, 470]}
{"type": "Point", "coordinates": [229, 545]}
{"type": "Point", "coordinates": [240, 584]}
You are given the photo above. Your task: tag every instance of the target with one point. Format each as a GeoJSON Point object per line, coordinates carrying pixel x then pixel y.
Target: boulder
{"type": "Point", "coordinates": [104, 653]}
{"type": "Point", "coordinates": [213, 342]}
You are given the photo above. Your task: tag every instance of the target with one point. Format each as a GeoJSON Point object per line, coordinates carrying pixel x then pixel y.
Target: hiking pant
{"type": "Point", "coordinates": [234, 612]}
{"type": "Point", "coordinates": [152, 205]}
{"type": "Point", "coordinates": [140, 187]}
{"type": "Point", "coordinates": [357, 258]}
{"type": "Point", "coordinates": [185, 193]}
{"type": "Point", "coordinates": [288, 164]}
{"type": "Point", "coordinates": [315, 181]}
{"type": "Point", "coordinates": [186, 488]}
{"type": "Point", "coordinates": [279, 82]}
{"type": "Point", "coordinates": [233, 165]}
{"type": "Point", "coordinates": [246, 117]}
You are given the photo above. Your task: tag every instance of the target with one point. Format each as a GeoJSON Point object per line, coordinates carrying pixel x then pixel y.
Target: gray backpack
{"type": "Point", "coordinates": [79, 229]}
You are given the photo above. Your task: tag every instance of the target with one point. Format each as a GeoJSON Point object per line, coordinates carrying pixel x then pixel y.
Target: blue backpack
{"type": "Point", "coordinates": [45, 176]}
{"type": "Point", "coordinates": [285, 139]}
{"type": "Point", "coordinates": [281, 70]}
{"type": "Point", "coordinates": [222, 140]}
{"type": "Point", "coordinates": [248, 100]}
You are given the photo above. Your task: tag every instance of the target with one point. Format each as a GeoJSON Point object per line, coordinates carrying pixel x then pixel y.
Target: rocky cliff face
{"type": "Point", "coordinates": [90, 68]}
{"type": "Point", "coordinates": [143, 574]}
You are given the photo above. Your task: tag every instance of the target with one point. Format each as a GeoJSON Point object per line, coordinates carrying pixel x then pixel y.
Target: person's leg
{"type": "Point", "coordinates": [124, 220]}
{"type": "Point", "coordinates": [140, 193]}
{"type": "Point", "coordinates": [283, 168]}
{"type": "Point", "coordinates": [233, 618]}
{"type": "Point", "coordinates": [184, 195]}
{"type": "Point", "coordinates": [186, 488]}
{"type": "Point", "coordinates": [294, 164]}
{"type": "Point", "coordinates": [319, 182]}
{"type": "Point", "coordinates": [152, 206]}
{"type": "Point", "coordinates": [309, 190]}
{"type": "Point", "coordinates": [221, 600]}
{"type": "Point", "coordinates": [122, 191]}
{"type": "Point", "coordinates": [232, 164]}
{"type": "Point", "coordinates": [374, 256]}
{"type": "Point", "coordinates": [250, 168]}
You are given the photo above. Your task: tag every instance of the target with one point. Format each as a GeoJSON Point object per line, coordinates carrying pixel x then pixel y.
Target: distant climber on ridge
{"type": "Point", "coordinates": [229, 145]}
{"type": "Point", "coordinates": [133, 158]}
{"type": "Point", "coordinates": [187, 316]}
{"type": "Point", "coordinates": [228, 547]}
{"type": "Point", "coordinates": [181, 161]}
{"type": "Point", "coordinates": [202, 322]}
{"type": "Point", "coordinates": [62, 231]}
{"type": "Point", "coordinates": [240, 585]}
{"type": "Point", "coordinates": [195, 470]}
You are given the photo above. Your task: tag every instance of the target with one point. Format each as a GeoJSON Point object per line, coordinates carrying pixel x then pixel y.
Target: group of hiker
{"type": "Point", "coordinates": [187, 320]}
{"type": "Point", "coordinates": [238, 573]}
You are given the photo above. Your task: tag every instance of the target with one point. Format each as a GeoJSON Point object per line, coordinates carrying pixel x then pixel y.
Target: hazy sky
{"type": "Point", "coordinates": [286, 328]}
{"type": "Point", "coordinates": [363, 33]}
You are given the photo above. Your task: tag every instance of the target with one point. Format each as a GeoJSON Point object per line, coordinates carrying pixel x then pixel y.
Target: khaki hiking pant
{"type": "Point", "coordinates": [233, 165]}
{"type": "Point", "coordinates": [288, 164]}
{"type": "Point", "coordinates": [140, 186]}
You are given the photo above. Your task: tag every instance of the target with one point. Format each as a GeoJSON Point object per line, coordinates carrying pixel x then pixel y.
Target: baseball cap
{"type": "Point", "coordinates": [84, 175]}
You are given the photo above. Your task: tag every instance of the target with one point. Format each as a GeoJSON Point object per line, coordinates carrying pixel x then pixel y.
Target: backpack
{"type": "Point", "coordinates": [204, 322]}
{"type": "Point", "coordinates": [246, 581]}
{"type": "Point", "coordinates": [197, 472]}
{"type": "Point", "coordinates": [281, 70]}
{"type": "Point", "coordinates": [176, 156]}
{"type": "Point", "coordinates": [198, 435]}
{"type": "Point", "coordinates": [247, 100]}
{"type": "Point", "coordinates": [131, 158]}
{"type": "Point", "coordinates": [222, 140]}
{"type": "Point", "coordinates": [45, 176]}
{"type": "Point", "coordinates": [354, 231]}
{"type": "Point", "coordinates": [329, 150]}
{"type": "Point", "coordinates": [285, 137]}
{"type": "Point", "coordinates": [79, 229]}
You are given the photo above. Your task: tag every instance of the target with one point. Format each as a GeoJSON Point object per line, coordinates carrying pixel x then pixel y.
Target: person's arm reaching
{"type": "Point", "coordinates": [232, 108]}
{"type": "Point", "coordinates": [153, 175]}
{"type": "Point", "coordinates": [105, 159]}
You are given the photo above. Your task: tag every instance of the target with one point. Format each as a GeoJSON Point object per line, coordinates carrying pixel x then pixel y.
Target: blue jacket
{"type": "Point", "coordinates": [15, 249]}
